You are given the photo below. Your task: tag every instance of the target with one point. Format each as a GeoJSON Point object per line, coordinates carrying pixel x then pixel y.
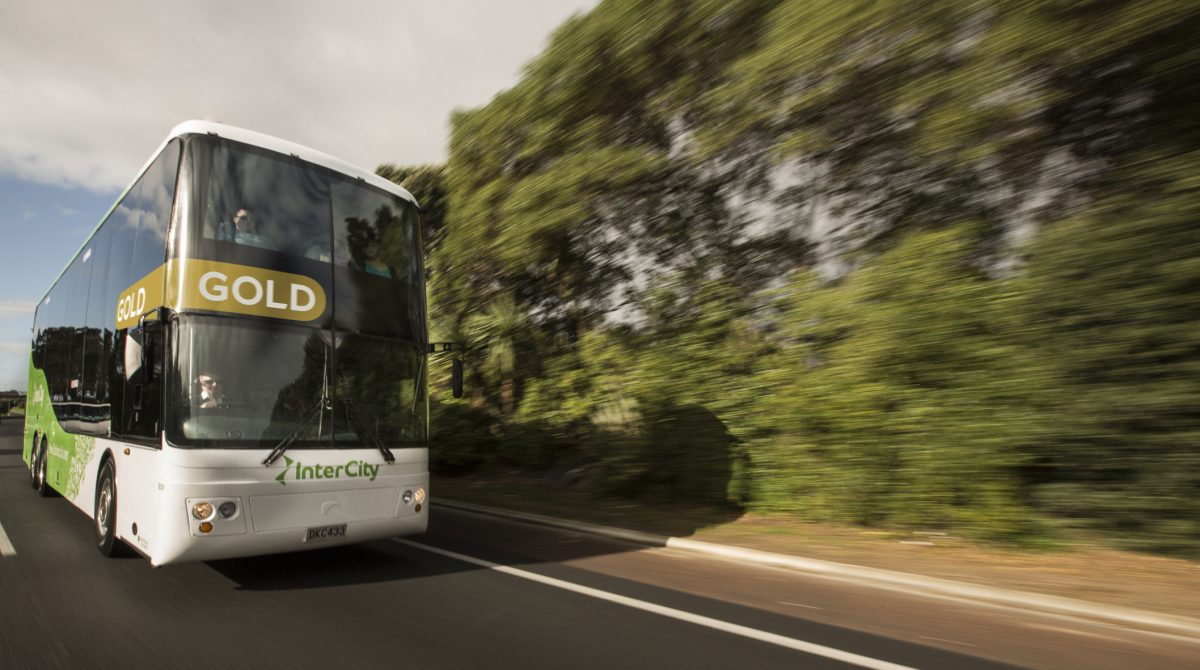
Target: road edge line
{"type": "Point", "coordinates": [918, 584]}
{"type": "Point", "coordinates": [748, 632]}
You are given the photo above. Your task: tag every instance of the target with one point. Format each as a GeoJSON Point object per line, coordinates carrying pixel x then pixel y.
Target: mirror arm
{"type": "Point", "coordinates": [162, 316]}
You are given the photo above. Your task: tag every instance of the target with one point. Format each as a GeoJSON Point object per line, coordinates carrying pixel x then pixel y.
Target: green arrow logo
{"type": "Point", "coordinates": [287, 466]}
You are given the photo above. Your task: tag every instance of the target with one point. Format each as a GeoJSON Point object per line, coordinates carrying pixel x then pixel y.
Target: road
{"type": "Point", "coordinates": [478, 592]}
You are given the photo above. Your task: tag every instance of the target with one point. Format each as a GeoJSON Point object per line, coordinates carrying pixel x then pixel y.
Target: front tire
{"type": "Point", "coordinates": [105, 516]}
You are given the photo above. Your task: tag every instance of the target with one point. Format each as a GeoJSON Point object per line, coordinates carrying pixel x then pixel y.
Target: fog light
{"type": "Point", "coordinates": [420, 495]}
{"type": "Point", "coordinates": [202, 511]}
{"type": "Point", "coordinates": [227, 509]}
{"type": "Point", "coordinates": [407, 497]}
{"type": "Point", "coordinates": [206, 527]}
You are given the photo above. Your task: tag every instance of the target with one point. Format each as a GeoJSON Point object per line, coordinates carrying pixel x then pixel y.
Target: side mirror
{"type": "Point", "coordinates": [141, 349]}
{"type": "Point", "coordinates": [135, 357]}
{"type": "Point", "coordinates": [456, 378]}
{"type": "Point", "coordinates": [456, 371]}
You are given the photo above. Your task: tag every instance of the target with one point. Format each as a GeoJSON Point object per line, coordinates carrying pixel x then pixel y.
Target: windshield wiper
{"type": "Point", "coordinates": [287, 441]}
{"type": "Point", "coordinates": [322, 405]}
{"type": "Point", "coordinates": [367, 437]}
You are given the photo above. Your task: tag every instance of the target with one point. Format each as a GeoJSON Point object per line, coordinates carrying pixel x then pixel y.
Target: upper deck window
{"type": "Point", "coordinates": [360, 243]}
{"type": "Point", "coordinates": [373, 233]}
{"type": "Point", "coordinates": [258, 200]}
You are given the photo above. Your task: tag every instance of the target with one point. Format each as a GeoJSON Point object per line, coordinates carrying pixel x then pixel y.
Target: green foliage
{"type": "Point", "coordinates": [497, 337]}
{"type": "Point", "coordinates": [427, 184]}
{"type": "Point", "coordinates": [898, 403]}
{"type": "Point", "coordinates": [1119, 338]}
{"type": "Point", "coordinates": [603, 240]}
{"type": "Point", "coordinates": [463, 435]}
{"type": "Point", "coordinates": [671, 395]}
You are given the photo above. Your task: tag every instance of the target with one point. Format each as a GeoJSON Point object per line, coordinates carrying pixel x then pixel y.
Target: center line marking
{"type": "Point", "coordinates": [670, 612]}
{"type": "Point", "coordinates": [6, 545]}
{"type": "Point", "coordinates": [811, 607]}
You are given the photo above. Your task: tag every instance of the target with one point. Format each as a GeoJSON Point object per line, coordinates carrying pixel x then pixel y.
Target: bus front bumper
{"type": "Point", "coordinates": [215, 520]}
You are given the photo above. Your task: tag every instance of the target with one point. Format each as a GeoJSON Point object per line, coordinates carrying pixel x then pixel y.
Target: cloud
{"type": "Point", "coordinates": [12, 308]}
{"type": "Point", "coordinates": [99, 92]}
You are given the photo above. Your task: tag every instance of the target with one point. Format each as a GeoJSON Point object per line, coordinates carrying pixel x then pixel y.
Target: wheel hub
{"type": "Point", "coordinates": [103, 508]}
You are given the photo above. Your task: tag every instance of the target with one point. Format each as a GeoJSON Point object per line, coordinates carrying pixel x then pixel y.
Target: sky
{"type": "Point", "coordinates": [90, 89]}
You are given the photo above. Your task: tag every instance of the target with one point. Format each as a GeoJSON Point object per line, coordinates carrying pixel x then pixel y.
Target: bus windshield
{"type": "Point", "coordinates": [302, 312]}
{"type": "Point", "coordinates": [247, 383]}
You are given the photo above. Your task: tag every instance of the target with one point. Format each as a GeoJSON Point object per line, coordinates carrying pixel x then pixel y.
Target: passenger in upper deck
{"type": "Point", "coordinates": [244, 229]}
{"type": "Point", "coordinates": [372, 263]}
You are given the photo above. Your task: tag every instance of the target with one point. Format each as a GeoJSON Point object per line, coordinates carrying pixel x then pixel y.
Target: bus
{"type": "Point", "coordinates": [234, 362]}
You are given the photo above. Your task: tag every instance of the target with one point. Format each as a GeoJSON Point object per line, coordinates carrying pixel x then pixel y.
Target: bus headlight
{"type": "Point", "coordinates": [406, 497]}
{"type": "Point", "coordinates": [227, 509]}
{"type": "Point", "coordinates": [419, 496]}
{"type": "Point", "coordinates": [202, 511]}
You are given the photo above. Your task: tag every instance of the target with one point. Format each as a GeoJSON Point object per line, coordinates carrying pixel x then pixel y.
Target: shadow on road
{"type": "Point", "coordinates": [369, 563]}
{"type": "Point", "coordinates": [500, 541]}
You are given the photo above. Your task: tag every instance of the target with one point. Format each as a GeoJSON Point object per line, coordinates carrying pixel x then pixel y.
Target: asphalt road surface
{"type": "Point", "coordinates": [478, 592]}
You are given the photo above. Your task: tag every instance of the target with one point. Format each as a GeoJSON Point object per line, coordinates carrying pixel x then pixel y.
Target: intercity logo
{"type": "Point", "coordinates": [350, 469]}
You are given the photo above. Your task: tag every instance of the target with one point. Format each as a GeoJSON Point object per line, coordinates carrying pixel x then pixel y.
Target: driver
{"type": "Point", "coordinates": [212, 391]}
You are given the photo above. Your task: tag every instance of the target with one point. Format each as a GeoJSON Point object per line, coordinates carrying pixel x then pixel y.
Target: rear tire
{"type": "Point", "coordinates": [39, 472]}
{"type": "Point", "coordinates": [33, 456]}
{"type": "Point", "coordinates": [105, 514]}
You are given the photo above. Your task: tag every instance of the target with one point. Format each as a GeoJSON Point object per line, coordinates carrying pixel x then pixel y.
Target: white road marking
{"type": "Point", "coordinates": [6, 545]}
{"type": "Point", "coordinates": [708, 622]}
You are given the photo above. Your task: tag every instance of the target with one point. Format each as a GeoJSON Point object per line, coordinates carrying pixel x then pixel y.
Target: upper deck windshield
{"type": "Point", "coordinates": [350, 376]}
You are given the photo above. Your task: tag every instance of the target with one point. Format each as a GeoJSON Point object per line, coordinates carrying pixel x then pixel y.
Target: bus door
{"type": "Point", "coordinates": [138, 460]}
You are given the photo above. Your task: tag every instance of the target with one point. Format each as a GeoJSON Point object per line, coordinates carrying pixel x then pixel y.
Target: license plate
{"type": "Point", "coordinates": [325, 532]}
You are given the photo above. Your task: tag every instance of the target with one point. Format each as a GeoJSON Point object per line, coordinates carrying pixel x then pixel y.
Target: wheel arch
{"type": "Point", "coordinates": [107, 457]}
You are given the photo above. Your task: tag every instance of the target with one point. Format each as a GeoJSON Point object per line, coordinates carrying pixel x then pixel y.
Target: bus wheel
{"type": "Point", "coordinates": [33, 464]}
{"type": "Point", "coordinates": [105, 516]}
{"type": "Point", "coordinates": [39, 472]}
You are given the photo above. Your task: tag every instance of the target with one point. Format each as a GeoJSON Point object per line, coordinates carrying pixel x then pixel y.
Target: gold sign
{"type": "Point", "coordinates": [242, 289]}
{"type": "Point", "coordinates": [144, 295]}
{"type": "Point", "coordinates": [192, 284]}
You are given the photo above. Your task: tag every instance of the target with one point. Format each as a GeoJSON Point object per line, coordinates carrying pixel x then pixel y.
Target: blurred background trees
{"type": "Point", "coordinates": [926, 265]}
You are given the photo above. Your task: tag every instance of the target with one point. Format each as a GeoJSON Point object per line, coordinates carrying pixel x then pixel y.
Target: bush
{"type": "Point", "coordinates": [461, 437]}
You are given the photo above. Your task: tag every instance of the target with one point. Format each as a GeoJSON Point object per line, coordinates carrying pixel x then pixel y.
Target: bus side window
{"type": "Point", "coordinates": [149, 209]}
